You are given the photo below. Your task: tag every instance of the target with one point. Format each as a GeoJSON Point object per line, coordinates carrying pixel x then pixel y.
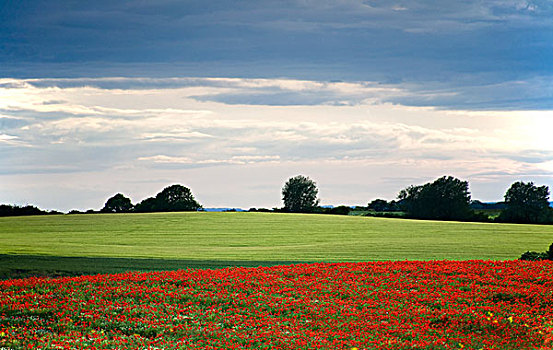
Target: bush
{"type": "Point", "coordinates": [339, 210]}
{"type": "Point", "coordinates": [534, 256]}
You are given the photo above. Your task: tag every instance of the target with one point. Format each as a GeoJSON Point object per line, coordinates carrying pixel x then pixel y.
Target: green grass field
{"type": "Point", "coordinates": [117, 242]}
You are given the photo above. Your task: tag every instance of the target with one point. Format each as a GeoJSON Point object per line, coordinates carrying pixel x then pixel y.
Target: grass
{"type": "Point", "coordinates": [211, 239]}
{"type": "Point", "coordinates": [491, 213]}
{"type": "Point", "coordinates": [20, 266]}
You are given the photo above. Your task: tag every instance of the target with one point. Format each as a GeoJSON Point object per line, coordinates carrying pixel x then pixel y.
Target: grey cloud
{"type": "Point", "coordinates": [531, 93]}
{"type": "Point", "coordinates": [531, 156]}
{"type": "Point", "coordinates": [33, 115]}
{"type": "Point", "coordinates": [141, 83]}
{"type": "Point", "coordinates": [406, 179]}
{"type": "Point", "coordinates": [12, 85]}
{"type": "Point", "coordinates": [242, 91]}
{"type": "Point", "coordinates": [508, 177]}
{"type": "Point", "coordinates": [418, 42]}
{"type": "Point", "coordinates": [119, 83]}
{"type": "Point", "coordinates": [53, 102]}
{"type": "Point", "coordinates": [12, 123]}
{"type": "Point", "coordinates": [493, 173]}
{"type": "Point", "coordinates": [289, 98]}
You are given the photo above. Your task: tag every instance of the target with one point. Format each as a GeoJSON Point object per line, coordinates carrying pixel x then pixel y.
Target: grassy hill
{"type": "Point", "coordinates": [68, 244]}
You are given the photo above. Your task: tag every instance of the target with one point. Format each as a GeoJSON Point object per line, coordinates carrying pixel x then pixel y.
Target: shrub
{"type": "Point", "coordinates": [534, 256]}
{"type": "Point", "coordinates": [339, 210]}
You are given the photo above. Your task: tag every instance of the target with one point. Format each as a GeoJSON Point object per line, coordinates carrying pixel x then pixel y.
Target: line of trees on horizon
{"type": "Point", "coordinates": [171, 198]}
{"type": "Point", "coordinates": [446, 198]}
{"type": "Point", "coordinates": [26, 210]}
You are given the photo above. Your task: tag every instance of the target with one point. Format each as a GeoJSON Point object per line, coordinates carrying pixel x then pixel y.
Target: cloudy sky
{"type": "Point", "coordinates": [231, 98]}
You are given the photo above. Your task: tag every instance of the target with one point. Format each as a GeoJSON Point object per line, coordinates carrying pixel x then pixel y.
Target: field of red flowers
{"type": "Point", "coordinates": [377, 305]}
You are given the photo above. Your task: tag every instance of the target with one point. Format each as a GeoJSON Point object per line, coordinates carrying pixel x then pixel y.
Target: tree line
{"type": "Point", "coordinates": [172, 198]}
{"type": "Point", "coordinates": [17, 210]}
{"type": "Point", "coordinates": [446, 198]}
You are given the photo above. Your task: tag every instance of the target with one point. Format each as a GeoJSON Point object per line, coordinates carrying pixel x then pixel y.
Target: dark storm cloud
{"type": "Point", "coordinates": [457, 45]}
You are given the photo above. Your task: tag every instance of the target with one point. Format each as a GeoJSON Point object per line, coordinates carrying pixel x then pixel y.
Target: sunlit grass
{"type": "Point", "coordinates": [265, 236]}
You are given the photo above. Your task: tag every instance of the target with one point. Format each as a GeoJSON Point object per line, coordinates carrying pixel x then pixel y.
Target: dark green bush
{"type": "Point", "coordinates": [534, 256]}
{"type": "Point", "coordinates": [339, 210]}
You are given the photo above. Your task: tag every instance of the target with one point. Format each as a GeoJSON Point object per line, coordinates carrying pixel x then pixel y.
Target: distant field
{"type": "Point", "coordinates": [215, 239]}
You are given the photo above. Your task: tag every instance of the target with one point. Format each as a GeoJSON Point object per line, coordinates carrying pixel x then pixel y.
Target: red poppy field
{"type": "Point", "coordinates": [377, 305]}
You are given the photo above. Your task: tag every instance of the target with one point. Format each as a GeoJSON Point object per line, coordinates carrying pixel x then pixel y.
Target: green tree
{"type": "Point", "coordinates": [447, 198]}
{"type": "Point", "coordinates": [378, 205]}
{"type": "Point", "coordinates": [117, 204]}
{"type": "Point", "coordinates": [300, 194]}
{"type": "Point", "coordinates": [526, 203]}
{"type": "Point", "coordinates": [177, 198]}
{"type": "Point", "coordinates": [148, 205]}
{"type": "Point", "coordinates": [172, 198]}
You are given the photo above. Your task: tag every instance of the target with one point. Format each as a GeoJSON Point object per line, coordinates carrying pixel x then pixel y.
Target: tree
{"type": "Point", "coordinates": [172, 198]}
{"type": "Point", "coordinates": [177, 198]}
{"type": "Point", "coordinates": [526, 203]}
{"type": "Point", "coordinates": [16, 210]}
{"type": "Point", "coordinates": [339, 210]}
{"type": "Point", "coordinates": [117, 204]}
{"type": "Point", "coordinates": [378, 205]}
{"type": "Point", "coordinates": [148, 205]}
{"type": "Point", "coordinates": [300, 194]}
{"type": "Point", "coordinates": [381, 205]}
{"type": "Point", "coordinates": [447, 198]}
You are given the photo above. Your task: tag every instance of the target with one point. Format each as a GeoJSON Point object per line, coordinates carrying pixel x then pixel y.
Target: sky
{"type": "Point", "coordinates": [232, 98]}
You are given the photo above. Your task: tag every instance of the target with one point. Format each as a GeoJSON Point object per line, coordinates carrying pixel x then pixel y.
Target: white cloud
{"type": "Point", "coordinates": [92, 113]}
{"type": "Point", "coordinates": [159, 132]}
{"type": "Point", "coordinates": [256, 158]}
{"type": "Point", "coordinates": [167, 159]}
{"type": "Point", "coordinates": [164, 159]}
{"type": "Point", "coordinates": [7, 138]}
{"type": "Point", "coordinates": [174, 135]}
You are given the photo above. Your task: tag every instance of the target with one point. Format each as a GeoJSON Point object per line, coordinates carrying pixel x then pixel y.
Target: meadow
{"type": "Point", "coordinates": [500, 305]}
{"type": "Point", "coordinates": [105, 243]}
{"type": "Point", "coordinates": [328, 291]}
